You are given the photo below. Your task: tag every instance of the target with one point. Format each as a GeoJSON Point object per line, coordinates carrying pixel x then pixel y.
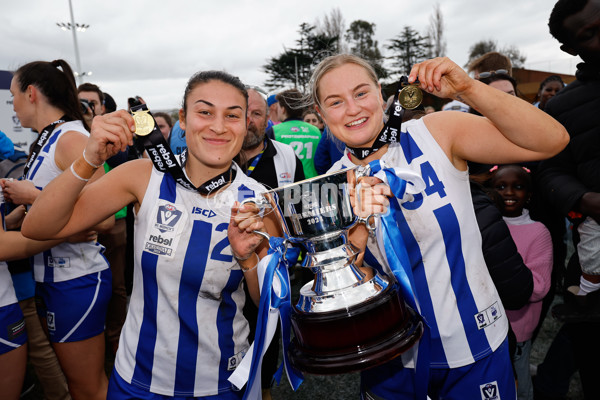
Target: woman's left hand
{"type": "Point", "coordinates": [245, 219]}
{"type": "Point", "coordinates": [369, 197]}
{"type": "Point", "coordinates": [441, 77]}
{"type": "Point", "coordinates": [19, 192]}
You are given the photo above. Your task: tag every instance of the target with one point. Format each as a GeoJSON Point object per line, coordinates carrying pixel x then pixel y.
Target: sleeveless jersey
{"type": "Point", "coordinates": [285, 163]}
{"type": "Point", "coordinates": [7, 291]}
{"type": "Point", "coordinates": [185, 332]}
{"type": "Point", "coordinates": [454, 291]}
{"type": "Point", "coordinates": [304, 138]}
{"type": "Point", "coordinates": [66, 260]}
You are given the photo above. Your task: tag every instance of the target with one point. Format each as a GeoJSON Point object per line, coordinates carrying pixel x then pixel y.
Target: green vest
{"type": "Point", "coordinates": [304, 138]}
{"type": "Point", "coordinates": [122, 213]}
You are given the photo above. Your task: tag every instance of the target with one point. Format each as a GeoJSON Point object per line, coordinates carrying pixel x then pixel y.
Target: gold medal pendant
{"type": "Point", "coordinates": [144, 123]}
{"type": "Point", "coordinates": [410, 97]}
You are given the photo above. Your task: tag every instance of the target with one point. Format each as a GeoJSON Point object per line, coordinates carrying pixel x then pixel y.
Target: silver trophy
{"type": "Point", "coordinates": [348, 318]}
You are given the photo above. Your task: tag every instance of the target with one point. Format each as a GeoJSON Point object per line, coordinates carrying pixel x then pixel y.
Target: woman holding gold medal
{"type": "Point", "coordinates": [73, 279]}
{"type": "Point", "coordinates": [185, 332]}
{"type": "Point", "coordinates": [463, 353]}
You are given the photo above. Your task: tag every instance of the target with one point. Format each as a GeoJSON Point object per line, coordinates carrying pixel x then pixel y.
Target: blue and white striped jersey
{"type": "Point", "coordinates": [454, 291]}
{"type": "Point", "coordinates": [64, 261]}
{"type": "Point", "coordinates": [185, 332]}
{"type": "Point", "coordinates": [7, 291]}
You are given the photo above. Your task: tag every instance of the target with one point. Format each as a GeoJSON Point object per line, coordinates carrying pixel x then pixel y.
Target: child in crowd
{"type": "Point", "coordinates": [534, 243]}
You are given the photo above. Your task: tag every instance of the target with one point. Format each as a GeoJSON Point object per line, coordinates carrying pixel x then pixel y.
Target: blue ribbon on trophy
{"type": "Point", "coordinates": [275, 306]}
{"type": "Point", "coordinates": [403, 183]}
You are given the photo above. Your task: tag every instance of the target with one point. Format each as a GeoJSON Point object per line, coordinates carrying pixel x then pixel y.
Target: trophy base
{"type": "Point", "coordinates": [355, 339]}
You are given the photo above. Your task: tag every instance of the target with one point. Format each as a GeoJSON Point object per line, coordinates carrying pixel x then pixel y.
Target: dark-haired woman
{"type": "Point", "coordinates": [548, 89]}
{"type": "Point", "coordinates": [72, 279]}
{"type": "Point", "coordinates": [185, 332]}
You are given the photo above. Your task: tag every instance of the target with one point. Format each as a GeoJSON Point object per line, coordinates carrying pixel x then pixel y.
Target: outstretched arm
{"type": "Point", "coordinates": [512, 130]}
{"type": "Point", "coordinates": [65, 207]}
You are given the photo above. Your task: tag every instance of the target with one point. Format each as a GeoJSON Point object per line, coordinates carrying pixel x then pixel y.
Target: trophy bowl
{"type": "Point", "coordinates": [348, 318]}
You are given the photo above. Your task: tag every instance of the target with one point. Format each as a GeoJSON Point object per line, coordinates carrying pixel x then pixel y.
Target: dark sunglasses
{"type": "Point", "coordinates": [492, 73]}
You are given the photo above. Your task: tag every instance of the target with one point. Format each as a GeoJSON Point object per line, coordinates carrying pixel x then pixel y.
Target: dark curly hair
{"type": "Point", "coordinates": [563, 9]}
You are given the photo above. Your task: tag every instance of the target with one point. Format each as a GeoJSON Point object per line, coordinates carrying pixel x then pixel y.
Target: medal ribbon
{"type": "Point", "coordinates": [398, 259]}
{"type": "Point", "coordinates": [390, 132]}
{"type": "Point", "coordinates": [41, 142]}
{"type": "Point", "coordinates": [165, 161]}
{"type": "Point", "coordinates": [275, 306]}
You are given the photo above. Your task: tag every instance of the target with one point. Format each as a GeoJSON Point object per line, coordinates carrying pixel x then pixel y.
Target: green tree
{"type": "Point", "coordinates": [408, 48]}
{"type": "Point", "coordinates": [480, 48]}
{"type": "Point", "coordinates": [294, 66]}
{"type": "Point", "coordinates": [436, 32]}
{"type": "Point", "coordinates": [485, 46]}
{"type": "Point", "coordinates": [333, 25]}
{"type": "Point", "coordinates": [360, 39]}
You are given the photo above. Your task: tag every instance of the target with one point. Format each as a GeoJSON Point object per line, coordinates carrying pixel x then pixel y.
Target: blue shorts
{"type": "Point", "coordinates": [118, 389]}
{"type": "Point", "coordinates": [75, 309]}
{"type": "Point", "coordinates": [490, 378]}
{"type": "Point", "coordinates": [12, 331]}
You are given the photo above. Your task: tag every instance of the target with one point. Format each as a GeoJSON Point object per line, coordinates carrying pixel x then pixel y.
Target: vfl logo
{"type": "Point", "coordinates": [59, 262]}
{"type": "Point", "coordinates": [489, 391]}
{"type": "Point", "coordinates": [167, 218]}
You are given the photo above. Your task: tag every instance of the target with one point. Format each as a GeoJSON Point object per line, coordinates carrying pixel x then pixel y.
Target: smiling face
{"type": "Point", "coordinates": [513, 185]}
{"type": "Point", "coordinates": [215, 123]}
{"type": "Point", "coordinates": [549, 91]}
{"type": "Point", "coordinates": [350, 103]}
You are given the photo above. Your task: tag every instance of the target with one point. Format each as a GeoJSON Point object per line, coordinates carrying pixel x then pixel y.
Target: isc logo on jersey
{"type": "Point", "coordinates": [204, 211]}
{"type": "Point", "coordinates": [167, 217]}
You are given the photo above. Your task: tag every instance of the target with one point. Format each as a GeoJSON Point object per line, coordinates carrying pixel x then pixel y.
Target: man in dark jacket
{"type": "Point", "coordinates": [570, 182]}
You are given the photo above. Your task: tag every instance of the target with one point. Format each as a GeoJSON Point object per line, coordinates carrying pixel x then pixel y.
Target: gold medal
{"type": "Point", "coordinates": [410, 97]}
{"type": "Point", "coordinates": [144, 123]}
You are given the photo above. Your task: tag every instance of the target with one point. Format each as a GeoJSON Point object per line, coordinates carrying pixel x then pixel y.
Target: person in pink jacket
{"type": "Point", "coordinates": [534, 243]}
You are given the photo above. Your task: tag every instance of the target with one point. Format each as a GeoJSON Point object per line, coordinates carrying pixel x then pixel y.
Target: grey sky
{"type": "Point", "coordinates": [150, 48]}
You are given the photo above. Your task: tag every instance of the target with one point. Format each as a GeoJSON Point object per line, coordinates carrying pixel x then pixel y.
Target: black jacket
{"type": "Point", "coordinates": [564, 178]}
{"type": "Point", "coordinates": [511, 276]}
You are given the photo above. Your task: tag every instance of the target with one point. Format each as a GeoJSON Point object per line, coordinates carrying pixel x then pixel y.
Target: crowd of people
{"type": "Point", "coordinates": [105, 251]}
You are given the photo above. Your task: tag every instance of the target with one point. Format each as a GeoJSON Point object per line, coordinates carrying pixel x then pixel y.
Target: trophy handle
{"type": "Point", "coordinates": [261, 203]}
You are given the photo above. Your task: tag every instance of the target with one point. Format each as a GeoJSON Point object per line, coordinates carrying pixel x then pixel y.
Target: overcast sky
{"type": "Point", "coordinates": [150, 48]}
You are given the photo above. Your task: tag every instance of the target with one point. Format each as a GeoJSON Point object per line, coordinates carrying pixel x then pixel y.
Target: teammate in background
{"type": "Point", "coordinates": [73, 279]}
{"type": "Point", "coordinates": [185, 332]}
{"type": "Point", "coordinates": [468, 352]}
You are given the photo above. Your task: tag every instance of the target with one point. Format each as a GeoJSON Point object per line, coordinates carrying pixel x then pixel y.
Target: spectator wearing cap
{"type": "Point", "coordinates": [273, 105]}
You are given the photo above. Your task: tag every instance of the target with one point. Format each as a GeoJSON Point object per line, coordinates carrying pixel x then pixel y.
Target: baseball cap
{"type": "Point", "coordinates": [271, 100]}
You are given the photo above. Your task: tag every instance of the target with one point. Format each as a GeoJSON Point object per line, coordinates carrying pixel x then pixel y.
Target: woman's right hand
{"type": "Point", "coordinates": [109, 135]}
